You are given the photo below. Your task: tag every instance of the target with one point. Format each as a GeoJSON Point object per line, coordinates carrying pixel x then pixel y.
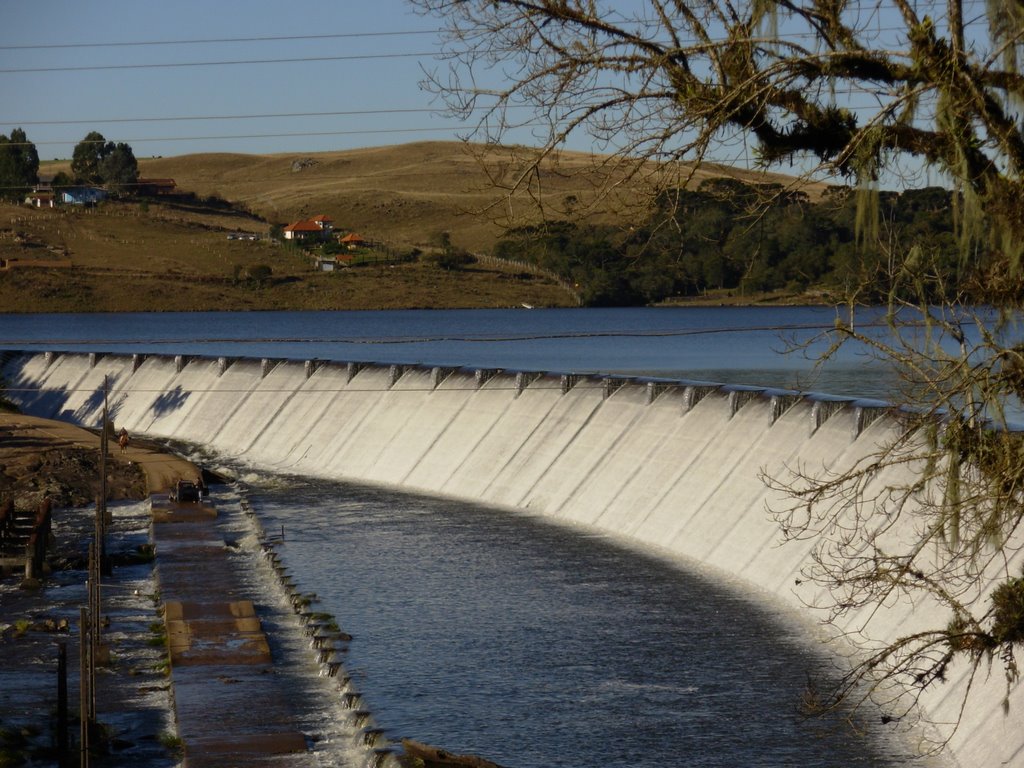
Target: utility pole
{"type": "Point", "coordinates": [89, 615]}
{"type": "Point", "coordinates": [101, 506]}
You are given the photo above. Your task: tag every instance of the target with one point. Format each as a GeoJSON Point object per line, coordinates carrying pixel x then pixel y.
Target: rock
{"type": "Point", "coordinates": [303, 163]}
{"type": "Point", "coordinates": [435, 757]}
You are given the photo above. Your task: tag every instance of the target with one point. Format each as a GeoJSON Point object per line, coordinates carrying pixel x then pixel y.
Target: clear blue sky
{"type": "Point", "coordinates": [359, 56]}
{"type": "Point", "coordinates": [164, 94]}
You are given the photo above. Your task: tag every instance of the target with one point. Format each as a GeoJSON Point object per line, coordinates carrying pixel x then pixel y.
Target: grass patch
{"type": "Point", "coordinates": [173, 744]}
{"type": "Point", "coordinates": [159, 635]}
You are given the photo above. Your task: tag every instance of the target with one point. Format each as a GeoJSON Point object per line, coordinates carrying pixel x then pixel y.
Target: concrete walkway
{"type": "Point", "coordinates": [231, 706]}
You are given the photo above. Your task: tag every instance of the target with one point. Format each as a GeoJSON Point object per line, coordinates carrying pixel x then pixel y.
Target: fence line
{"type": "Point", "coordinates": [533, 269]}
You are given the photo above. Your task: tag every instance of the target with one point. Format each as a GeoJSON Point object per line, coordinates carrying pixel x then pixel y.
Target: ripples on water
{"type": "Point", "coordinates": [493, 633]}
{"type": "Point", "coordinates": [733, 345]}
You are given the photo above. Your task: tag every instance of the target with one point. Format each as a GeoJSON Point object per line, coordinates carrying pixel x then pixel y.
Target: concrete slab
{"type": "Point", "coordinates": [254, 744]}
{"type": "Point", "coordinates": [231, 706]}
{"type": "Point", "coordinates": [215, 633]}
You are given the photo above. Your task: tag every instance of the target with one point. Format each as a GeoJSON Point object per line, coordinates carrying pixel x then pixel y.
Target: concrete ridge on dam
{"type": "Point", "coordinates": [677, 466]}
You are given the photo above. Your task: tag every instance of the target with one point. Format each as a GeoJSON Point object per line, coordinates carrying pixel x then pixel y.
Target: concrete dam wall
{"type": "Point", "coordinates": [673, 466]}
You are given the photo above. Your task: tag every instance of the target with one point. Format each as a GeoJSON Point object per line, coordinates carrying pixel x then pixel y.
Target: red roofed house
{"type": "Point", "coordinates": [317, 228]}
{"type": "Point", "coordinates": [352, 240]}
{"type": "Point", "coordinates": [155, 186]}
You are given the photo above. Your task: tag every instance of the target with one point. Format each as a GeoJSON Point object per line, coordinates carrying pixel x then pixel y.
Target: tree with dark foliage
{"type": "Point", "coordinates": [19, 164]}
{"type": "Point", "coordinates": [87, 158]}
{"type": "Point", "coordinates": [119, 169]}
{"type": "Point", "coordinates": [98, 161]}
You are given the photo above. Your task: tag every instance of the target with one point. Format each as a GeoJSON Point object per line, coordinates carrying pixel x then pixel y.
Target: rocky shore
{"type": "Point", "coordinates": [40, 460]}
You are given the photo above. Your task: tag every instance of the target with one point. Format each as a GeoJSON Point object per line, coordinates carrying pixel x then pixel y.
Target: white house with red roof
{"type": "Point", "coordinates": [317, 228]}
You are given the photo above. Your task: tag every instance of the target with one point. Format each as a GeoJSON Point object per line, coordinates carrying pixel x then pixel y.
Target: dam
{"type": "Point", "coordinates": [674, 466]}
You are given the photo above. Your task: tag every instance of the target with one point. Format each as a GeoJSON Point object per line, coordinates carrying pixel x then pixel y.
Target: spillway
{"type": "Point", "coordinates": [674, 466]}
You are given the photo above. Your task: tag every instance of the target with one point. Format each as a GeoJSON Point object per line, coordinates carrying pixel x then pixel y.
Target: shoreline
{"type": "Point", "coordinates": [704, 302]}
{"type": "Point", "coordinates": [134, 698]}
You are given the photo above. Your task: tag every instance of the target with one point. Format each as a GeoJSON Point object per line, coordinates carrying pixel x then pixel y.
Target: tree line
{"type": "Point", "coordinates": [720, 236]}
{"type": "Point", "coordinates": [95, 161]}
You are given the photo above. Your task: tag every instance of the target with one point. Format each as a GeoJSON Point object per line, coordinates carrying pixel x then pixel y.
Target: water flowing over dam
{"type": "Point", "coordinates": [674, 466]}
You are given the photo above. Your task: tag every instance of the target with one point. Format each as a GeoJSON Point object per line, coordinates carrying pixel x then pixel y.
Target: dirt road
{"type": "Point", "coordinates": [41, 456]}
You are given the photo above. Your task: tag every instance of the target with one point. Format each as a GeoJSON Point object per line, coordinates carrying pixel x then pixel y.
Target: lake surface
{"type": "Point", "coordinates": [744, 345]}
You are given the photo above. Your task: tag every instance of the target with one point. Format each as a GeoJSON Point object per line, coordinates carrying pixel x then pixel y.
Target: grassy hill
{"type": "Point", "coordinates": [174, 254]}
{"type": "Point", "coordinates": [409, 193]}
{"type": "Point", "coordinates": [158, 257]}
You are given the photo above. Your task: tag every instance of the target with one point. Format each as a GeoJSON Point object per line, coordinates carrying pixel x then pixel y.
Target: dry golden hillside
{"type": "Point", "coordinates": [409, 193]}
{"type": "Point", "coordinates": [127, 256]}
{"type": "Point", "coordinates": [173, 254]}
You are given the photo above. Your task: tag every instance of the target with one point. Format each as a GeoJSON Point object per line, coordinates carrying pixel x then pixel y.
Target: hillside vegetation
{"type": "Point", "coordinates": [121, 257]}
{"type": "Point", "coordinates": [410, 193]}
{"type": "Point", "coordinates": [174, 253]}
{"type": "Point", "coordinates": [720, 239]}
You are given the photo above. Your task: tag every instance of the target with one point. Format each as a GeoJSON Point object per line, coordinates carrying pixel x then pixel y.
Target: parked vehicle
{"type": "Point", "coordinates": [184, 491]}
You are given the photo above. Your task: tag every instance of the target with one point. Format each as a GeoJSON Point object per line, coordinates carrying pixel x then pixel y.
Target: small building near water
{"type": "Point", "coordinates": [331, 263]}
{"type": "Point", "coordinates": [155, 186]}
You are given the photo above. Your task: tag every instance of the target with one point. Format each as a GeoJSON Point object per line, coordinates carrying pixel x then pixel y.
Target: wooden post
{"type": "Point", "coordinates": [30, 557]}
{"type": "Point", "coordinates": [83, 692]}
{"type": "Point", "coordinates": [62, 704]}
{"type": "Point", "coordinates": [93, 590]}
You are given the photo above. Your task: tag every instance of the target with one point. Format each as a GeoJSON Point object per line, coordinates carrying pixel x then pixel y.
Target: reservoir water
{"type": "Point", "coordinates": [734, 345]}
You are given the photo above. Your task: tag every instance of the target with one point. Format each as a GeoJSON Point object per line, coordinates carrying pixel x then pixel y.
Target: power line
{"type": "Point", "coordinates": [279, 38]}
{"type": "Point", "coordinates": [203, 41]}
{"type": "Point", "coordinates": [263, 390]}
{"type": "Point", "coordinates": [268, 115]}
{"type": "Point", "coordinates": [281, 115]}
{"type": "Point", "coordinates": [292, 134]}
{"type": "Point", "coordinates": [284, 38]}
{"type": "Point", "coordinates": [326, 36]}
{"type": "Point", "coordinates": [228, 184]}
{"type": "Point", "coordinates": [246, 62]}
{"type": "Point", "coordinates": [320, 392]}
{"type": "Point", "coordinates": [262, 135]}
